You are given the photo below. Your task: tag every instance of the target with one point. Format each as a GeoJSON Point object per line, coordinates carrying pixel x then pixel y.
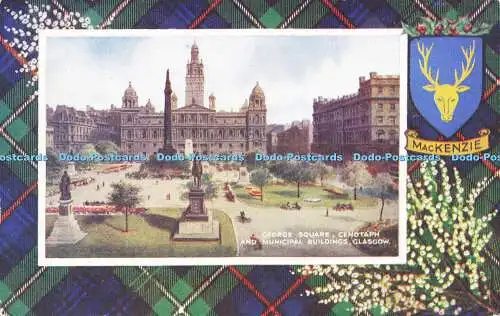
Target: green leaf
{"type": "Point", "coordinates": [410, 30]}
{"type": "Point", "coordinates": [429, 25]}
{"type": "Point", "coordinates": [461, 23]}
{"type": "Point", "coordinates": [452, 15]}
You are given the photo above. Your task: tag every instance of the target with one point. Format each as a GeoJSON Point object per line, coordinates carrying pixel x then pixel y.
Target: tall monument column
{"type": "Point", "coordinates": [168, 148]}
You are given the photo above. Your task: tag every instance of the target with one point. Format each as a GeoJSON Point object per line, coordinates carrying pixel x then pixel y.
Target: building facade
{"type": "Point", "coordinates": [272, 132]}
{"type": "Point", "coordinates": [296, 138]}
{"type": "Point", "coordinates": [70, 129]}
{"type": "Point", "coordinates": [367, 121]}
{"type": "Point", "coordinates": [140, 128]}
{"type": "Point", "coordinates": [49, 137]}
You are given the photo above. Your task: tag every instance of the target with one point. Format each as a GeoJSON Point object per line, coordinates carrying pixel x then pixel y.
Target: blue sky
{"type": "Point", "coordinates": [292, 70]}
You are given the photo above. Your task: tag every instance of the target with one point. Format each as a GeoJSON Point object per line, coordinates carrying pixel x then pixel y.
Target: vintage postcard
{"type": "Point", "coordinates": [222, 147]}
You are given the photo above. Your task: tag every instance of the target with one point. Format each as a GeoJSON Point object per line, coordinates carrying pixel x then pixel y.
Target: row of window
{"type": "Point", "coordinates": [356, 137]}
{"type": "Point", "coordinates": [391, 120]}
{"type": "Point", "coordinates": [392, 107]}
{"type": "Point", "coordinates": [204, 119]}
{"type": "Point", "coordinates": [144, 145]}
{"type": "Point", "coordinates": [351, 112]}
{"type": "Point", "coordinates": [194, 133]}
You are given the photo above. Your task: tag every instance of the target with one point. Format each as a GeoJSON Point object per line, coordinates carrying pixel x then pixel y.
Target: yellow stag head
{"type": "Point", "coordinates": [446, 96]}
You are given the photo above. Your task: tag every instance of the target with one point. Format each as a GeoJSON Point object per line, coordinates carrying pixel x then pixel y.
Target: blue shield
{"type": "Point", "coordinates": [446, 79]}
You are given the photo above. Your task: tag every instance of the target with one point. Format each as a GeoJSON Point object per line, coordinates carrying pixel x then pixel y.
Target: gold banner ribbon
{"type": "Point", "coordinates": [447, 148]}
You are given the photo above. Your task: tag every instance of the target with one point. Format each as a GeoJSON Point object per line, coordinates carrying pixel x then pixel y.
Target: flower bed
{"type": "Point", "coordinates": [115, 168]}
{"type": "Point", "coordinates": [103, 209]}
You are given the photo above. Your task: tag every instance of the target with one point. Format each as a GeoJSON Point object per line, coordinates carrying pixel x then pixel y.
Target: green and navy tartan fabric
{"type": "Point", "coordinates": [27, 289]}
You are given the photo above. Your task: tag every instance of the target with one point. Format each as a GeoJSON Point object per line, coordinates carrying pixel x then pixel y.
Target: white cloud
{"type": "Point", "coordinates": [86, 72]}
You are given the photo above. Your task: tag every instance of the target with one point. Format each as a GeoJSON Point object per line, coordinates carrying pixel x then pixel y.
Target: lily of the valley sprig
{"type": "Point", "coordinates": [446, 242]}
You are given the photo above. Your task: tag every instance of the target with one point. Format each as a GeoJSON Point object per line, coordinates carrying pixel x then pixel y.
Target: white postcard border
{"type": "Point", "coordinates": [196, 261]}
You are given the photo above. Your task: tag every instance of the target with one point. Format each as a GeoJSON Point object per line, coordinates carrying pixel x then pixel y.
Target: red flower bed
{"type": "Point", "coordinates": [103, 209]}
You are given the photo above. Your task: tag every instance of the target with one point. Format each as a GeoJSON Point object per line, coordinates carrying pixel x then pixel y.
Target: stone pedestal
{"type": "Point", "coordinates": [167, 151]}
{"type": "Point", "coordinates": [196, 210]}
{"type": "Point", "coordinates": [196, 222]}
{"type": "Point", "coordinates": [188, 147]}
{"type": "Point", "coordinates": [66, 229]}
{"type": "Point", "coordinates": [244, 176]}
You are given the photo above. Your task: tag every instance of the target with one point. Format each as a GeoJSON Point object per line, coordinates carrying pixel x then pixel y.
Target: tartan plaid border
{"type": "Point", "coordinates": [26, 288]}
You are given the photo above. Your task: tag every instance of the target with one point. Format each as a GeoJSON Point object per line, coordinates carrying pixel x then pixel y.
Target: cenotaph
{"type": "Point", "coordinates": [188, 147]}
{"type": "Point", "coordinates": [244, 176]}
{"type": "Point", "coordinates": [66, 229]}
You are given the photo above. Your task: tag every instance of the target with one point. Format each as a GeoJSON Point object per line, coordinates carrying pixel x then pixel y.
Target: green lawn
{"type": "Point", "coordinates": [149, 236]}
{"type": "Point", "coordinates": [275, 195]}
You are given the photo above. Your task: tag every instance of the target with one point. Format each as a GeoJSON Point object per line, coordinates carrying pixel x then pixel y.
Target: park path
{"type": "Point", "coordinates": [308, 219]}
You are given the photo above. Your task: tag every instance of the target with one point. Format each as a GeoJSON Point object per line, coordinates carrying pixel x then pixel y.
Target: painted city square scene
{"type": "Point", "coordinates": [217, 145]}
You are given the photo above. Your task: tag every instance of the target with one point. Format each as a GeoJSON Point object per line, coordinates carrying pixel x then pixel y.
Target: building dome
{"type": "Point", "coordinates": [257, 91]}
{"type": "Point", "coordinates": [130, 91]}
{"type": "Point", "coordinates": [257, 98]}
{"type": "Point", "coordinates": [130, 99]}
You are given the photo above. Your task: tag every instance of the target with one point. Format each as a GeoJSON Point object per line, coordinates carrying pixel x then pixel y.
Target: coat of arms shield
{"type": "Point", "coordinates": [446, 79]}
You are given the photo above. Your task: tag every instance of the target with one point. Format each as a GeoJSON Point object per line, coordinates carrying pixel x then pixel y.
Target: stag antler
{"type": "Point", "coordinates": [470, 63]}
{"type": "Point", "coordinates": [425, 68]}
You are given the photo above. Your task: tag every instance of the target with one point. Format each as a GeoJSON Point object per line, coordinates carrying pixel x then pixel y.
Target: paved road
{"type": "Point", "coordinates": [273, 219]}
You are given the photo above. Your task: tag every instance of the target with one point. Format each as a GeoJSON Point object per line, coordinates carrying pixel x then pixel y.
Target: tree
{"type": "Point", "coordinates": [278, 168]}
{"type": "Point", "coordinates": [323, 171]}
{"type": "Point", "coordinates": [355, 174]}
{"type": "Point", "coordinates": [105, 147]}
{"type": "Point", "coordinates": [260, 177]}
{"type": "Point", "coordinates": [87, 150]}
{"type": "Point", "coordinates": [298, 172]}
{"type": "Point", "coordinates": [183, 164]}
{"type": "Point", "coordinates": [55, 166]}
{"type": "Point", "coordinates": [382, 184]}
{"type": "Point", "coordinates": [155, 166]}
{"type": "Point", "coordinates": [250, 161]}
{"type": "Point", "coordinates": [125, 196]}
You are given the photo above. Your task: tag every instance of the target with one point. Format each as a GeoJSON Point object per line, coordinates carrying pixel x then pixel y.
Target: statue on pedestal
{"type": "Point", "coordinates": [66, 229]}
{"type": "Point", "coordinates": [197, 172]}
{"type": "Point", "coordinates": [196, 223]}
{"type": "Point", "coordinates": [64, 187]}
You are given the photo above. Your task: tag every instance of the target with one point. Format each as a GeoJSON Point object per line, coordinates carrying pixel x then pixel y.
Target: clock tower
{"type": "Point", "coordinates": [195, 78]}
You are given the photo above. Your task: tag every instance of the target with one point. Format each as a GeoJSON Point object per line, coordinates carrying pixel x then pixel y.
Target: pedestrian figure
{"type": "Point", "coordinates": [149, 197]}
{"type": "Point", "coordinates": [97, 187]}
{"type": "Point", "coordinates": [103, 184]}
{"type": "Point", "coordinates": [168, 196]}
{"type": "Point", "coordinates": [327, 212]}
